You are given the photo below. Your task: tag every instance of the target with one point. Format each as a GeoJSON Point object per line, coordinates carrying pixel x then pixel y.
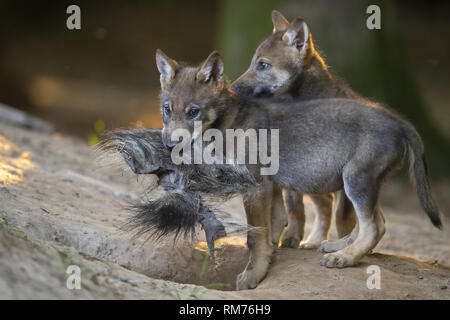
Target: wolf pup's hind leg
{"type": "Point", "coordinates": [344, 214]}
{"type": "Point", "coordinates": [346, 224]}
{"type": "Point", "coordinates": [362, 188]}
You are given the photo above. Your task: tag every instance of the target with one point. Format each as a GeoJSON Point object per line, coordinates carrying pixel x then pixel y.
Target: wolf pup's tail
{"type": "Point", "coordinates": [418, 170]}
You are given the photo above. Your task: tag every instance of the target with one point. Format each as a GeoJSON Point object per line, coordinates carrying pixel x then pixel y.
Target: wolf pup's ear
{"type": "Point", "coordinates": [280, 23]}
{"type": "Point", "coordinates": [297, 35]}
{"type": "Point", "coordinates": [212, 69]}
{"type": "Point", "coordinates": [166, 67]}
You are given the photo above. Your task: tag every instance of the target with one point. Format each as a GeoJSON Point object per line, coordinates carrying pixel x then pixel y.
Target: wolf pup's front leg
{"type": "Point", "coordinates": [257, 208]}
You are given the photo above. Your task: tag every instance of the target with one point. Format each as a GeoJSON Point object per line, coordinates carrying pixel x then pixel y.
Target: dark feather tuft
{"type": "Point", "coordinates": [173, 213]}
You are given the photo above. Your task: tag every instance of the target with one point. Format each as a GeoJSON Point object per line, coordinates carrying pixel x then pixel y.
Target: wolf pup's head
{"type": "Point", "coordinates": [279, 60]}
{"type": "Point", "coordinates": [190, 94]}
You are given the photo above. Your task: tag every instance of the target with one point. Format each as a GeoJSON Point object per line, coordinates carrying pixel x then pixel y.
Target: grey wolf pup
{"type": "Point", "coordinates": [287, 65]}
{"type": "Point", "coordinates": [325, 145]}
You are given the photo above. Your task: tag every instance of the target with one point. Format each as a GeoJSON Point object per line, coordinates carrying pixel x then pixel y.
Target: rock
{"type": "Point", "coordinates": [19, 118]}
{"type": "Point", "coordinates": [38, 270]}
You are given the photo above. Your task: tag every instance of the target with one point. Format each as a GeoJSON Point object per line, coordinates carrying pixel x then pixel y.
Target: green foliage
{"type": "Point", "coordinates": [243, 24]}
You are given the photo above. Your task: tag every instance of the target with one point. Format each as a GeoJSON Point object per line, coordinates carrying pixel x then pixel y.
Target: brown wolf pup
{"type": "Point", "coordinates": [325, 145]}
{"type": "Point", "coordinates": [286, 64]}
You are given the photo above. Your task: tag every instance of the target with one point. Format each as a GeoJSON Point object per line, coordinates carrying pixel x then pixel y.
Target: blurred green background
{"type": "Point", "coordinates": [104, 75]}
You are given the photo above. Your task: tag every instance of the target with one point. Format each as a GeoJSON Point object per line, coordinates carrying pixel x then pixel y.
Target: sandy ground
{"type": "Point", "coordinates": [58, 208]}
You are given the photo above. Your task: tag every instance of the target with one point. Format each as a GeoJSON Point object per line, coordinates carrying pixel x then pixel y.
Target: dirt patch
{"type": "Point", "coordinates": [59, 194]}
{"type": "Point", "coordinates": [53, 192]}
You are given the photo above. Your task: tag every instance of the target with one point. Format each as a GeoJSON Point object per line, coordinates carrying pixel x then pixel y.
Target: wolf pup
{"type": "Point", "coordinates": [286, 64]}
{"type": "Point", "coordinates": [325, 145]}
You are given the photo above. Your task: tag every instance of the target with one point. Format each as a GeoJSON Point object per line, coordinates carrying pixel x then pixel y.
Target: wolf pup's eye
{"type": "Point", "coordinates": [194, 111]}
{"type": "Point", "coordinates": [262, 65]}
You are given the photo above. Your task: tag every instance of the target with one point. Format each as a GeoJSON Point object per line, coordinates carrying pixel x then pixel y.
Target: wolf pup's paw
{"type": "Point", "coordinates": [333, 246]}
{"type": "Point", "coordinates": [338, 260]}
{"type": "Point", "coordinates": [314, 240]}
{"type": "Point", "coordinates": [249, 279]}
{"type": "Point", "coordinates": [276, 234]}
{"type": "Point", "coordinates": [291, 237]}
{"type": "Point", "coordinates": [291, 242]}
{"type": "Point", "coordinates": [310, 244]}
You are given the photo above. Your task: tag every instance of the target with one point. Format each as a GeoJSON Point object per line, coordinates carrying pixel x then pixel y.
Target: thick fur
{"type": "Point", "coordinates": [325, 145]}
{"type": "Point", "coordinates": [420, 177]}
